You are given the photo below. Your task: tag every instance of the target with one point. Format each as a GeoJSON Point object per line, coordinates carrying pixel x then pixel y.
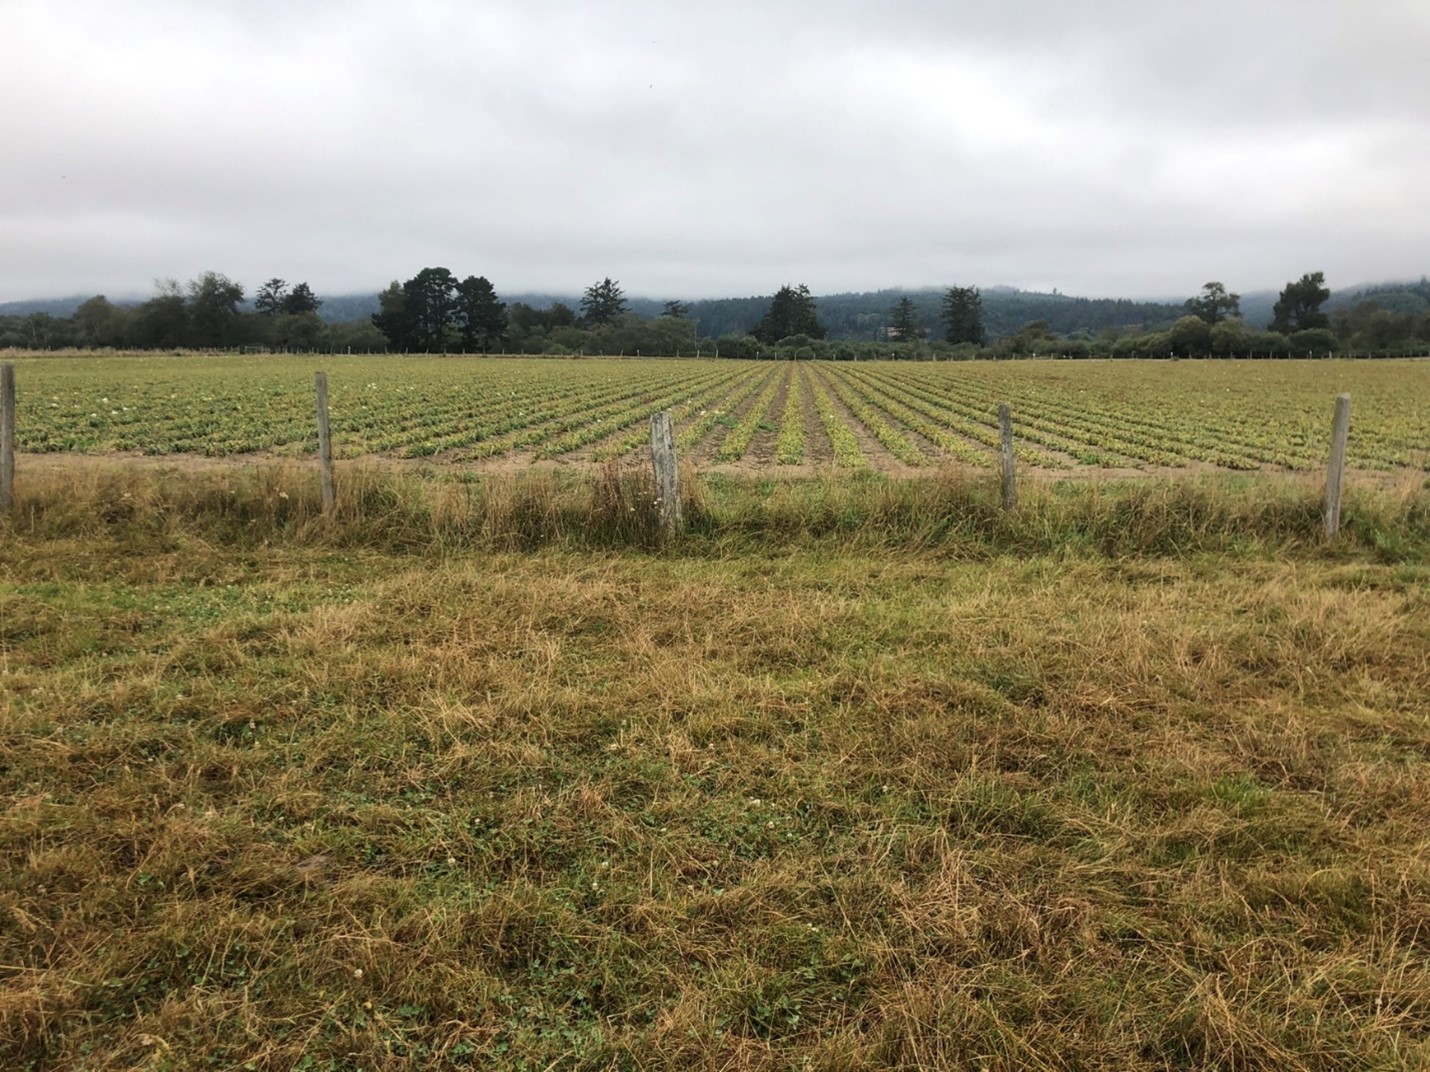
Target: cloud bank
{"type": "Point", "coordinates": [1102, 148]}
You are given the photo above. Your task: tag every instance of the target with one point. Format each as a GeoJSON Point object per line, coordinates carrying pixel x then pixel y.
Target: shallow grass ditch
{"type": "Point", "coordinates": [829, 784]}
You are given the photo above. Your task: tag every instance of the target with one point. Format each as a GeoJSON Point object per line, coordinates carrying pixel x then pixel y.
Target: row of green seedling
{"type": "Point", "coordinates": [753, 378]}
{"type": "Point", "coordinates": [708, 393]}
{"type": "Point", "coordinates": [841, 439]}
{"type": "Point", "coordinates": [965, 421]}
{"type": "Point", "coordinates": [789, 449]}
{"type": "Point", "coordinates": [1046, 437]}
{"type": "Point", "coordinates": [557, 416]}
{"type": "Point", "coordinates": [732, 449]}
{"type": "Point", "coordinates": [591, 431]}
{"type": "Point", "coordinates": [895, 442]}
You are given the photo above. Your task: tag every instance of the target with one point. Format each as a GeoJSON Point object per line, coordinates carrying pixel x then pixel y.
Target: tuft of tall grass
{"type": "Point", "coordinates": [615, 507]}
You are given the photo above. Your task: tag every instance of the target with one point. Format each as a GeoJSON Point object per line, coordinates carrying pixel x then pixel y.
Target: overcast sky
{"type": "Point", "coordinates": [1105, 147]}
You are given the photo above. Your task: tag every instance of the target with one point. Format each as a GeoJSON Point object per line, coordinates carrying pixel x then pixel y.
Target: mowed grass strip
{"type": "Point", "coordinates": [819, 808]}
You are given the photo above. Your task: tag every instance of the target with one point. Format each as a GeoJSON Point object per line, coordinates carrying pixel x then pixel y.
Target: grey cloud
{"type": "Point", "coordinates": [1105, 147]}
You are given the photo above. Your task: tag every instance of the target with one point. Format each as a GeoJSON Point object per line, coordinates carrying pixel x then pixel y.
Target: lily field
{"type": "Point", "coordinates": [889, 416]}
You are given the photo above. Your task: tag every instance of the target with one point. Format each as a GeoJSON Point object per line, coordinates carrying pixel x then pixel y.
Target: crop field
{"type": "Point", "coordinates": [795, 417]}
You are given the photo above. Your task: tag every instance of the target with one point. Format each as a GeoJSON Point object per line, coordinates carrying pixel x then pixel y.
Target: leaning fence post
{"type": "Point", "coordinates": [1336, 468]}
{"type": "Point", "coordinates": [1005, 432]}
{"type": "Point", "coordinates": [325, 443]}
{"type": "Point", "coordinates": [667, 477]}
{"type": "Point", "coordinates": [7, 435]}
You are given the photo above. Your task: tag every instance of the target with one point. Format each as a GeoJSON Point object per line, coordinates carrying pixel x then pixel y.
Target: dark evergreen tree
{"type": "Point", "coordinates": [904, 321]}
{"type": "Point", "coordinates": [391, 318]}
{"type": "Point", "coordinates": [962, 315]}
{"type": "Point", "coordinates": [420, 313]}
{"type": "Point", "coordinates": [791, 312]}
{"type": "Point", "coordinates": [300, 300]}
{"type": "Point", "coordinates": [480, 317]}
{"type": "Point", "coordinates": [270, 297]}
{"type": "Point", "coordinates": [1214, 304]}
{"type": "Point", "coordinates": [1299, 307]}
{"type": "Point", "coordinates": [675, 310]}
{"type": "Point", "coordinates": [603, 303]}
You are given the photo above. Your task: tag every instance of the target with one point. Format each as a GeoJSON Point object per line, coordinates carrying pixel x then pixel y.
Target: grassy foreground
{"type": "Point", "coordinates": [858, 777]}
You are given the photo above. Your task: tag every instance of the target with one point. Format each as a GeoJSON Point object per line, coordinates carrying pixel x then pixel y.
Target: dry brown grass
{"type": "Point", "coordinates": [613, 506]}
{"type": "Point", "coordinates": [276, 797]}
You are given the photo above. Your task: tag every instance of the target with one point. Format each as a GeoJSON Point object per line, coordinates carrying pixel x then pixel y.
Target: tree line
{"type": "Point", "coordinates": [436, 311]}
{"type": "Point", "coordinates": [1212, 326]}
{"type": "Point", "coordinates": [206, 313]}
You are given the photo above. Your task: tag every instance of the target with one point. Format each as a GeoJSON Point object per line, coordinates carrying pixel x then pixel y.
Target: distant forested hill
{"type": "Point", "coordinates": [1412, 298]}
{"type": "Point", "coordinates": [844, 316]}
{"type": "Point", "coordinates": [52, 306]}
{"type": "Point", "coordinates": [865, 315]}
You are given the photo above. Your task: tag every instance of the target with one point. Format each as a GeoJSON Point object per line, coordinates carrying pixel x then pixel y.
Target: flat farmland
{"type": "Point", "coordinates": [857, 772]}
{"type": "Point", "coordinates": [793, 417]}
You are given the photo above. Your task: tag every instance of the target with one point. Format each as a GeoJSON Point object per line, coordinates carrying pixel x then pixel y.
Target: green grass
{"type": "Point", "coordinates": [860, 775]}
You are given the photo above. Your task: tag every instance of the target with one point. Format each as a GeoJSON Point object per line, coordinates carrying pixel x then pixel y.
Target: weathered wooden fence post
{"type": "Point", "coordinates": [325, 443]}
{"type": "Point", "coordinates": [1336, 468]}
{"type": "Point", "coordinates": [1005, 430]}
{"type": "Point", "coordinates": [7, 435]}
{"type": "Point", "coordinates": [667, 475]}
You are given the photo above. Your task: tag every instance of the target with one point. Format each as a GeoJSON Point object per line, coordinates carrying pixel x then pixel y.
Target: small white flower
{"type": "Point", "coordinates": [357, 973]}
